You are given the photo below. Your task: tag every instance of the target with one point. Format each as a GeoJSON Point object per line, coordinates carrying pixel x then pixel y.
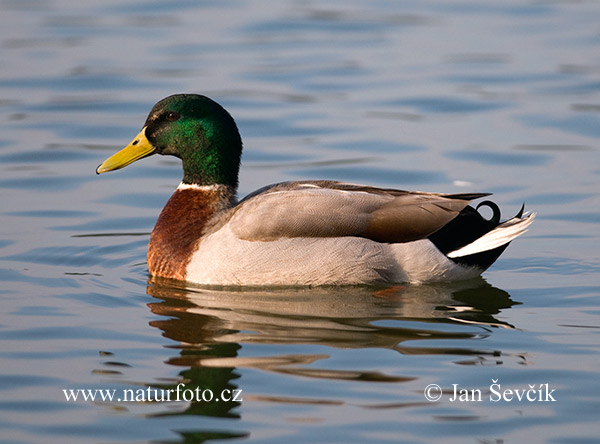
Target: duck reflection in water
{"type": "Point", "coordinates": [211, 326]}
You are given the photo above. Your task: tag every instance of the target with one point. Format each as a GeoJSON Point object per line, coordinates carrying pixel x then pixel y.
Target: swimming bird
{"type": "Point", "coordinates": [316, 232]}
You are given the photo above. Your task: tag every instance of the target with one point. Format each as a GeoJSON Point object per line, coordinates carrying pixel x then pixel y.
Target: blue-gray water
{"type": "Point", "coordinates": [447, 96]}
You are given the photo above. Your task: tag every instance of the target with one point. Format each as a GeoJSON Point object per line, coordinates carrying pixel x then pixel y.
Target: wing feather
{"type": "Point", "coordinates": [334, 209]}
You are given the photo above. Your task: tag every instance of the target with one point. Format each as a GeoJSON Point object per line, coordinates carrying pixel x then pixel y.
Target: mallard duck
{"type": "Point", "coordinates": [317, 232]}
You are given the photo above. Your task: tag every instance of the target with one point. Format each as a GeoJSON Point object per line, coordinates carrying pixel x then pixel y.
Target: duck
{"type": "Point", "coordinates": [300, 233]}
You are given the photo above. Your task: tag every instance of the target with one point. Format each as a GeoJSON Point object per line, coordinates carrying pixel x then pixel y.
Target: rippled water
{"type": "Point", "coordinates": [499, 96]}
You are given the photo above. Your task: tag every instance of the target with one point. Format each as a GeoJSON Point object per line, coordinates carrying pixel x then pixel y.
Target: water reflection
{"type": "Point", "coordinates": [210, 328]}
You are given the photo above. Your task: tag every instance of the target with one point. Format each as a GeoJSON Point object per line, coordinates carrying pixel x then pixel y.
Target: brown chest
{"type": "Point", "coordinates": [178, 231]}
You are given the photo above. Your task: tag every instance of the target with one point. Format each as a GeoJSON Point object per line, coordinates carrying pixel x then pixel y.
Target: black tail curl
{"type": "Point", "coordinates": [496, 211]}
{"type": "Point", "coordinates": [467, 227]}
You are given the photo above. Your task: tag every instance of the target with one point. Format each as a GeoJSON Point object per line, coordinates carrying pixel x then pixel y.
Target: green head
{"type": "Point", "coordinates": [194, 128]}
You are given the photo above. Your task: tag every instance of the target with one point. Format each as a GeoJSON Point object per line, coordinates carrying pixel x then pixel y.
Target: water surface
{"type": "Point", "coordinates": [445, 96]}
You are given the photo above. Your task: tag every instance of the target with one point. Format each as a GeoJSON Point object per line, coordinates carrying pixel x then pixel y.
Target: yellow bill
{"type": "Point", "coordinates": [138, 148]}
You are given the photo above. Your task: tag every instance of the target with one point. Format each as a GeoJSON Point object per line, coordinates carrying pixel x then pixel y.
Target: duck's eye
{"type": "Point", "coordinates": [172, 116]}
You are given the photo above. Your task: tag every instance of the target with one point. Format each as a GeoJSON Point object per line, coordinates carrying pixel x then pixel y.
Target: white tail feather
{"type": "Point", "coordinates": [501, 235]}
